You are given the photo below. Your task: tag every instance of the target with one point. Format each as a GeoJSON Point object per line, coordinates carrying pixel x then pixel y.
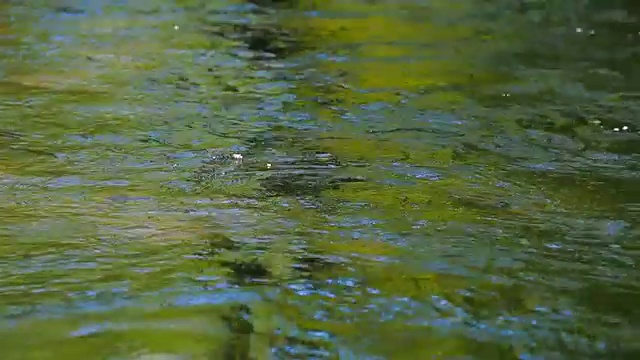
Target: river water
{"type": "Point", "coordinates": [319, 179]}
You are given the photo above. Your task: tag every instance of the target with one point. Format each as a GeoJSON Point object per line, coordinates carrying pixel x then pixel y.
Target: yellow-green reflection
{"type": "Point", "coordinates": [418, 179]}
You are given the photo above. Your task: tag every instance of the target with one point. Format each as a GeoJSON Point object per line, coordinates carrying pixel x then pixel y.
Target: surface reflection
{"type": "Point", "coordinates": [303, 179]}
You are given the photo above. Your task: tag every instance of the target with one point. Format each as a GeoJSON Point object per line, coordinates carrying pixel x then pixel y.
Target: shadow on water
{"type": "Point", "coordinates": [305, 179]}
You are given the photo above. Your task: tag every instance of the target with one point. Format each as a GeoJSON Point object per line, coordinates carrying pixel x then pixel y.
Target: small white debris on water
{"type": "Point", "coordinates": [237, 156]}
{"type": "Point", "coordinates": [268, 166]}
{"type": "Point", "coordinates": [176, 27]}
{"type": "Point", "coordinates": [592, 32]}
{"type": "Point", "coordinates": [616, 129]}
{"type": "Point", "coordinates": [579, 30]}
{"type": "Point", "coordinates": [625, 128]}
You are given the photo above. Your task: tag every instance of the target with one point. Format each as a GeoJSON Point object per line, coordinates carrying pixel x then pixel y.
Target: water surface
{"type": "Point", "coordinates": [336, 179]}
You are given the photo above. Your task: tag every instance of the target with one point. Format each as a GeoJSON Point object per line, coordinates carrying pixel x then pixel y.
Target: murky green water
{"type": "Point", "coordinates": [418, 179]}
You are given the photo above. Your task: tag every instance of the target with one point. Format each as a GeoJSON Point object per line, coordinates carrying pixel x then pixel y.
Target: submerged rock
{"type": "Point", "coordinates": [257, 38]}
{"type": "Point", "coordinates": [296, 184]}
{"type": "Point", "coordinates": [306, 175]}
